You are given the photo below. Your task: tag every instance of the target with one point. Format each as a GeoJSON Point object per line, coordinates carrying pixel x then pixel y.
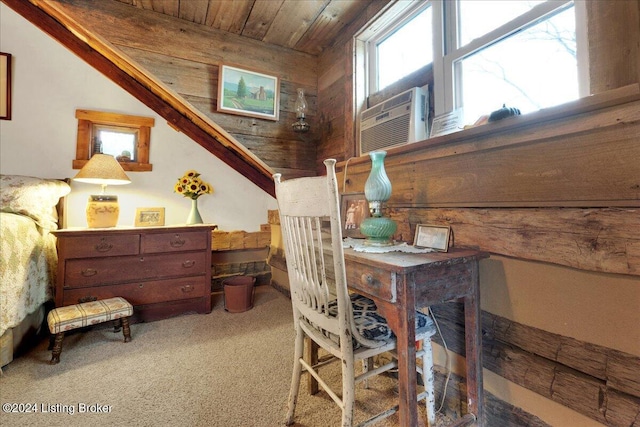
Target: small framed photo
{"type": "Point", "coordinates": [248, 93]}
{"type": "Point", "coordinates": [149, 217]}
{"type": "Point", "coordinates": [353, 209]}
{"type": "Point", "coordinates": [432, 237]}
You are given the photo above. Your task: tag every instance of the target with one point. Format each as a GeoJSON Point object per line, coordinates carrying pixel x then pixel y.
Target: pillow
{"type": "Point", "coordinates": [34, 197]}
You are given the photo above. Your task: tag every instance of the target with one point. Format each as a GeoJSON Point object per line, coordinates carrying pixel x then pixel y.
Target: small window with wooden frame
{"type": "Point", "coordinates": [125, 137]}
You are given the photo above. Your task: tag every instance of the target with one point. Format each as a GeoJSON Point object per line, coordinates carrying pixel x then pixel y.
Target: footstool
{"type": "Point", "coordinates": [71, 317]}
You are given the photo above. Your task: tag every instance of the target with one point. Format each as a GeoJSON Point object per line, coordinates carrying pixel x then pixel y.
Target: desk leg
{"type": "Point", "coordinates": [473, 344]}
{"type": "Point", "coordinates": [403, 324]}
{"type": "Point", "coordinates": [311, 356]}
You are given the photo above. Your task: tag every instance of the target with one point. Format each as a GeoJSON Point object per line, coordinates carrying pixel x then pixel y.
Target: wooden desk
{"type": "Point", "coordinates": [401, 282]}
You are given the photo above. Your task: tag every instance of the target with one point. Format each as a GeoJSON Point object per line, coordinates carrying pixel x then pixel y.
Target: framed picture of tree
{"type": "Point", "coordinates": [248, 93]}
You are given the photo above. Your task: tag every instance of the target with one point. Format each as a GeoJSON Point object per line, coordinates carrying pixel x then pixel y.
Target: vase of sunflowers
{"type": "Point", "coordinates": [192, 187]}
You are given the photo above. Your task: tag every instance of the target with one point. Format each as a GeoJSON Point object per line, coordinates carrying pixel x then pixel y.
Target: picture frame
{"type": "Point", "coordinates": [260, 97]}
{"type": "Point", "coordinates": [354, 208]}
{"type": "Point", "coordinates": [149, 217]}
{"type": "Point", "coordinates": [432, 236]}
{"type": "Point", "coordinates": [5, 86]}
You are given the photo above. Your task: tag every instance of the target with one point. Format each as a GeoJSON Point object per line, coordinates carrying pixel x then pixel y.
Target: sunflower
{"type": "Point", "coordinates": [192, 186]}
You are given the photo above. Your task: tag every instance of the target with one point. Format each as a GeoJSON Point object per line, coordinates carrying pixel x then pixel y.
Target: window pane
{"type": "Point", "coordinates": [533, 69]}
{"type": "Point", "coordinates": [119, 142]}
{"type": "Point", "coordinates": [406, 50]}
{"type": "Point", "coordinates": [478, 17]}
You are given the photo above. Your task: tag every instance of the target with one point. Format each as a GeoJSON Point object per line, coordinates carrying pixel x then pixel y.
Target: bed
{"type": "Point", "coordinates": [30, 209]}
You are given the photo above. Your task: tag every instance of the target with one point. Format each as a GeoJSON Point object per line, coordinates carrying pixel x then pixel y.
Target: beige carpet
{"type": "Point", "coordinates": [220, 369]}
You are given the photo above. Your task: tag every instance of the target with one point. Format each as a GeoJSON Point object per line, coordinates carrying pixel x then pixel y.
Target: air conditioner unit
{"type": "Point", "coordinates": [396, 121]}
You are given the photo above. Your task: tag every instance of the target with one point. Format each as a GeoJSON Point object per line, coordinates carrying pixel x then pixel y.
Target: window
{"type": "Point", "coordinates": [485, 53]}
{"type": "Point", "coordinates": [126, 138]}
{"type": "Point", "coordinates": [395, 51]}
{"type": "Point", "coordinates": [513, 52]}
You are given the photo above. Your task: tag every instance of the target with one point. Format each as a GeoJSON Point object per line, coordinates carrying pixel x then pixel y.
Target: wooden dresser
{"type": "Point", "coordinates": [162, 271]}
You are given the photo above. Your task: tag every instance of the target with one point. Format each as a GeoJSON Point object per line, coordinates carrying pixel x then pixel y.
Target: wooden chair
{"type": "Point", "coordinates": [346, 325]}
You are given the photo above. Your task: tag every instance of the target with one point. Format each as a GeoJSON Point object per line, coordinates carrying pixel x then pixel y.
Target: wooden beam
{"type": "Point", "coordinates": [594, 239]}
{"type": "Point", "coordinates": [579, 375]}
{"type": "Point", "coordinates": [51, 18]}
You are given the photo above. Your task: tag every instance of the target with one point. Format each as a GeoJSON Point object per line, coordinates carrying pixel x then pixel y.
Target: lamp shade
{"type": "Point", "coordinates": [102, 169]}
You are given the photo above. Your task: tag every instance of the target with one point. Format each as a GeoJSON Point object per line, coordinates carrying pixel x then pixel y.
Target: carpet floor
{"type": "Point", "coordinates": [220, 369]}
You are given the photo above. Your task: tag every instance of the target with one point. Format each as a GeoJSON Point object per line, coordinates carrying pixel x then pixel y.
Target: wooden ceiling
{"type": "Point", "coordinates": [304, 25]}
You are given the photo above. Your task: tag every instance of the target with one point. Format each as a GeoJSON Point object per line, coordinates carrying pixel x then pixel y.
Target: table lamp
{"type": "Point", "coordinates": [103, 169]}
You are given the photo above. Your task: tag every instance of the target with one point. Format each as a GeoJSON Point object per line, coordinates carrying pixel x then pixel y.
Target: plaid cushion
{"type": "Point", "coordinates": [88, 313]}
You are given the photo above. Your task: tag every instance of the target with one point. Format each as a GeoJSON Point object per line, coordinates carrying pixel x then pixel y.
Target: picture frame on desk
{"type": "Point", "coordinates": [434, 237]}
{"type": "Point", "coordinates": [354, 208]}
{"type": "Point", "coordinates": [149, 217]}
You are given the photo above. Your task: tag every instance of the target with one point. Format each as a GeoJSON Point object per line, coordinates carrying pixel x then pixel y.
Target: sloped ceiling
{"type": "Point", "coordinates": [307, 26]}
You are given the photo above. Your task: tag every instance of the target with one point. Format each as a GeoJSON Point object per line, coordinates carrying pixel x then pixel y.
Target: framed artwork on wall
{"type": "Point", "coordinates": [248, 93]}
{"type": "Point", "coordinates": [353, 209]}
{"type": "Point", "coordinates": [5, 86]}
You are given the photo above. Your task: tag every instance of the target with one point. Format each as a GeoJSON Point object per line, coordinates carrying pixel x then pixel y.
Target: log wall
{"type": "Point", "coordinates": [601, 383]}
{"type": "Point", "coordinates": [240, 253]}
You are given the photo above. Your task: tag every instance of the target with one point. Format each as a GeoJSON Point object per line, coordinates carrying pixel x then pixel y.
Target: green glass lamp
{"type": "Point", "coordinates": [378, 229]}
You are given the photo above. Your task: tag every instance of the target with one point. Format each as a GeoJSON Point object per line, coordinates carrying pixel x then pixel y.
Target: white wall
{"type": "Point", "coordinates": [50, 83]}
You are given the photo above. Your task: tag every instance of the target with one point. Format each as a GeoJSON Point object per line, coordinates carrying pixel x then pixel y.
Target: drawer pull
{"type": "Point", "coordinates": [188, 263]}
{"type": "Point", "coordinates": [88, 272]}
{"type": "Point", "coordinates": [103, 246]}
{"type": "Point", "coordinates": [188, 288]}
{"type": "Point", "coordinates": [177, 242]}
{"type": "Point", "coordinates": [88, 298]}
{"type": "Point", "coordinates": [366, 279]}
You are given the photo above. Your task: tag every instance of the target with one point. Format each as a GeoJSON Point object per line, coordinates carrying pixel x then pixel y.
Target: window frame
{"type": "Point", "coordinates": [87, 119]}
{"type": "Point", "coordinates": [387, 29]}
{"type": "Point", "coordinates": [445, 50]}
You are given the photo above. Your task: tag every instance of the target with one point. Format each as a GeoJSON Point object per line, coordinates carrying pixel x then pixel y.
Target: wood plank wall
{"type": "Point", "coordinates": [599, 382]}
{"type": "Point", "coordinates": [187, 56]}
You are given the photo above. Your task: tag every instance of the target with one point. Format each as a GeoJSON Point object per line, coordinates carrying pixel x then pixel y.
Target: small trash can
{"type": "Point", "coordinates": [238, 293]}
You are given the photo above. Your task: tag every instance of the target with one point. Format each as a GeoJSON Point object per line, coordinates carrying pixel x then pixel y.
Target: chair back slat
{"type": "Point", "coordinates": [305, 204]}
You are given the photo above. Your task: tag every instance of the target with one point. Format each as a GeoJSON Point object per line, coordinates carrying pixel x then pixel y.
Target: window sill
{"type": "Point", "coordinates": [546, 123]}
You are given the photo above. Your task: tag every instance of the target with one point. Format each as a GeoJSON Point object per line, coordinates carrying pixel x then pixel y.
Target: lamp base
{"type": "Point", "coordinates": [102, 211]}
{"type": "Point", "coordinates": [378, 231]}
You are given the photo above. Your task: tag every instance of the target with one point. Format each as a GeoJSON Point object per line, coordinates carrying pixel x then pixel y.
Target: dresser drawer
{"type": "Point", "coordinates": [148, 292]}
{"type": "Point", "coordinates": [99, 246]}
{"type": "Point", "coordinates": [106, 271]}
{"type": "Point", "coordinates": [174, 241]}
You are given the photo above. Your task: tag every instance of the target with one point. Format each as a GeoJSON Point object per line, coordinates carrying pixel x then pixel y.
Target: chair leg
{"type": "Point", "coordinates": [57, 348]}
{"type": "Point", "coordinates": [348, 390]}
{"type": "Point", "coordinates": [126, 329]}
{"type": "Point", "coordinates": [428, 379]}
{"type": "Point", "coordinates": [295, 377]}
